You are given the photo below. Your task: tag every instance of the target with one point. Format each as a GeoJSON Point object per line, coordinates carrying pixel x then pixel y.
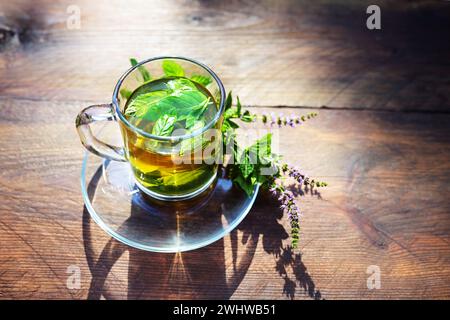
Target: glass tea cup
{"type": "Point", "coordinates": [166, 167]}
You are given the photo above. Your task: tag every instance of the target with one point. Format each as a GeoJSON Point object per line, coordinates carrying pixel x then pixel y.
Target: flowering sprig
{"type": "Point", "coordinates": [272, 118]}
{"type": "Point", "coordinates": [300, 177]}
{"type": "Point", "coordinates": [247, 174]}
{"type": "Point", "coordinates": [281, 120]}
{"type": "Point", "coordinates": [288, 206]}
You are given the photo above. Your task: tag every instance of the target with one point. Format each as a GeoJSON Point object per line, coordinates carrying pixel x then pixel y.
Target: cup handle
{"type": "Point", "coordinates": [100, 112]}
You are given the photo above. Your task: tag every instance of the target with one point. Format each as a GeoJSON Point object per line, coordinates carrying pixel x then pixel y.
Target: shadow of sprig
{"type": "Point", "coordinates": [265, 221]}
{"type": "Point", "coordinates": [289, 259]}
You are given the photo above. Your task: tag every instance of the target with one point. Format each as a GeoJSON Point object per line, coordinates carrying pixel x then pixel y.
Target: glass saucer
{"type": "Point", "coordinates": [127, 214]}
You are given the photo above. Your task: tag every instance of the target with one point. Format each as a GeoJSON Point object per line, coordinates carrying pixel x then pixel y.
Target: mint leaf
{"type": "Point", "coordinates": [172, 69]}
{"type": "Point", "coordinates": [181, 178]}
{"type": "Point", "coordinates": [264, 144]}
{"type": "Point", "coordinates": [246, 166]}
{"type": "Point", "coordinates": [235, 113]}
{"type": "Point", "coordinates": [238, 107]}
{"type": "Point", "coordinates": [146, 105]}
{"type": "Point", "coordinates": [261, 150]}
{"type": "Point", "coordinates": [181, 84]}
{"type": "Point", "coordinates": [228, 101]}
{"type": "Point", "coordinates": [230, 113]}
{"type": "Point", "coordinates": [190, 145]}
{"type": "Point", "coordinates": [203, 80]}
{"type": "Point", "coordinates": [196, 113]}
{"type": "Point", "coordinates": [252, 160]}
{"type": "Point", "coordinates": [164, 125]}
{"type": "Point", "coordinates": [143, 71]}
{"type": "Point", "coordinates": [153, 178]}
{"type": "Point", "coordinates": [245, 185]}
{"type": "Point", "coordinates": [265, 149]}
{"type": "Point", "coordinates": [185, 102]}
{"type": "Point", "coordinates": [190, 121]}
{"type": "Point", "coordinates": [247, 116]}
{"type": "Point", "coordinates": [125, 93]}
{"type": "Point", "coordinates": [198, 110]}
{"type": "Point", "coordinates": [232, 124]}
{"type": "Point", "coordinates": [133, 62]}
{"type": "Point", "coordinates": [181, 97]}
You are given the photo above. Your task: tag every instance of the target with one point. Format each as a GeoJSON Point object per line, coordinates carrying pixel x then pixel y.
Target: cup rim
{"type": "Point", "coordinates": [165, 138]}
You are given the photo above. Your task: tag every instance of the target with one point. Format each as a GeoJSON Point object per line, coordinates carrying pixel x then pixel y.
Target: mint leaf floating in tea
{"type": "Point", "coordinates": [203, 80]}
{"type": "Point", "coordinates": [161, 107]}
{"type": "Point", "coordinates": [188, 101]}
{"type": "Point", "coordinates": [164, 126]}
{"type": "Point", "coordinates": [142, 70]}
{"type": "Point", "coordinates": [196, 112]}
{"type": "Point", "coordinates": [153, 178]}
{"type": "Point", "coordinates": [192, 144]}
{"type": "Point", "coordinates": [172, 69]}
{"type": "Point", "coordinates": [177, 96]}
{"type": "Point", "coordinates": [146, 106]}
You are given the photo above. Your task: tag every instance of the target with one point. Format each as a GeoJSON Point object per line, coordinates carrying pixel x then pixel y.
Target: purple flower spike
{"type": "Point", "coordinates": [281, 120]}
{"type": "Point", "coordinates": [291, 209]}
{"type": "Point", "coordinates": [273, 118]}
{"type": "Point", "coordinates": [264, 117]}
{"type": "Point", "coordinates": [292, 120]}
{"type": "Point", "coordinates": [295, 173]}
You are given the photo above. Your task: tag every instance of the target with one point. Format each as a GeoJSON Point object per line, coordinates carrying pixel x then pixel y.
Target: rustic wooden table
{"type": "Point", "coordinates": [382, 142]}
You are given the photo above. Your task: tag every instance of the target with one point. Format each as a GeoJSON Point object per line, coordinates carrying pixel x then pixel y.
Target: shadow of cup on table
{"type": "Point", "coordinates": [211, 272]}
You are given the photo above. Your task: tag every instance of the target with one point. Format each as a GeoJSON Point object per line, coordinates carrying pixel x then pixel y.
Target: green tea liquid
{"type": "Point", "coordinates": [157, 165]}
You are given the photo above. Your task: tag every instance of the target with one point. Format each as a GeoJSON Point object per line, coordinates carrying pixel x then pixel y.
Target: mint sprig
{"type": "Point", "coordinates": [257, 164]}
{"type": "Point", "coordinates": [142, 70]}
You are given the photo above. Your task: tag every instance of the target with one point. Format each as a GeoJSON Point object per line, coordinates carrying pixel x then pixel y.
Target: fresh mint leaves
{"type": "Point", "coordinates": [164, 125]}
{"type": "Point", "coordinates": [246, 186]}
{"type": "Point", "coordinates": [196, 112]}
{"type": "Point", "coordinates": [147, 105]}
{"type": "Point", "coordinates": [180, 95]}
{"type": "Point", "coordinates": [232, 113]}
{"type": "Point", "coordinates": [250, 163]}
{"type": "Point", "coordinates": [142, 70]}
{"type": "Point", "coordinates": [172, 69]}
{"type": "Point", "coordinates": [192, 144]}
{"type": "Point", "coordinates": [180, 98]}
{"type": "Point", "coordinates": [203, 80]}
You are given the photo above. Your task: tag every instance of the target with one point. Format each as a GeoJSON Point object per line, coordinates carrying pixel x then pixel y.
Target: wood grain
{"type": "Point", "coordinates": [383, 145]}
{"type": "Point", "coordinates": [291, 53]}
{"type": "Point", "coordinates": [386, 205]}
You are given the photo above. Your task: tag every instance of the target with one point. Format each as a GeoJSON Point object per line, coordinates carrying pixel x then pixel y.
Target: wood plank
{"type": "Point", "coordinates": [387, 205]}
{"type": "Point", "coordinates": [288, 53]}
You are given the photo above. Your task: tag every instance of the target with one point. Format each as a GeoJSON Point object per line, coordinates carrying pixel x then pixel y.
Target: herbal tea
{"type": "Point", "coordinates": [170, 106]}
